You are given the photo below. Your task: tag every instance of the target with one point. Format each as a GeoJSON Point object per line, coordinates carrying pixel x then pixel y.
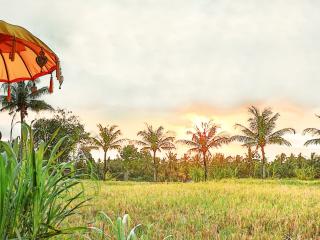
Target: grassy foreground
{"type": "Point", "coordinates": [226, 209]}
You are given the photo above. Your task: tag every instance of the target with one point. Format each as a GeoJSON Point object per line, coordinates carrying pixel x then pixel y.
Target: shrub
{"type": "Point", "coordinates": [196, 174]}
{"type": "Point", "coordinates": [219, 172]}
{"type": "Point", "coordinates": [120, 229]}
{"type": "Point", "coordinates": [108, 229]}
{"type": "Point", "coordinates": [306, 173]}
{"type": "Point", "coordinates": [35, 195]}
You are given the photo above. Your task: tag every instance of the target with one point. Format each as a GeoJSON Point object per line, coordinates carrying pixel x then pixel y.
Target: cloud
{"type": "Point", "coordinates": [123, 57]}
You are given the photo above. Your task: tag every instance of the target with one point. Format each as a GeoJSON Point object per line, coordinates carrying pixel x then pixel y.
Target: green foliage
{"type": "Point", "coordinates": [108, 177]}
{"type": "Point", "coordinates": [132, 165]}
{"type": "Point", "coordinates": [306, 173]}
{"type": "Point", "coordinates": [223, 172]}
{"type": "Point", "coordinates": [120, 229]}
{"type": "Point", "coordinates": [196, 174]}
{"type": "Point", "coordinates": [187, 168]}
{"type": "Point", "coordinates": [35, 192]}
{"type": "Point", "coordinates": [77, 143]}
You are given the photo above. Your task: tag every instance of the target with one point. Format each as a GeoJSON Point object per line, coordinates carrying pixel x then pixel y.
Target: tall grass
{"type": "Point", "coordinates": [224, 209]}
{"type": "Point", "coordinates": [34, 190]}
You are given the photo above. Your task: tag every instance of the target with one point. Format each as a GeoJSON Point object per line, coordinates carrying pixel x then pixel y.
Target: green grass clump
{"type": "Point", "coordinates": [35, 195]}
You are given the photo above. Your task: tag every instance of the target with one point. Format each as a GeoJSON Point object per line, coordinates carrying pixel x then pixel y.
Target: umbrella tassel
{"type": "Point", "coordinates": [58, 70]}
{"type": "Point", "coordinates": [13, 50]}
{"type": "Point", "coordinates": [58, 73]}
{"type": "Point", "coordinates": [9, 94]}
{"type": "Point", "coordinates": [51, 85]}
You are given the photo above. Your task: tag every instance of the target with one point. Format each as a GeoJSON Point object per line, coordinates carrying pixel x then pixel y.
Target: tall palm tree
{"type": "Point", "coordinates": [261, 132]}
{"type": "Point", "coordinates": [24, 97]}
{"type": "Point", "coordinates": [108, 139]}
{"type": "Point", "coordinates": [204, 138]}
{"type": "Point", "coordinates": [314, 132]}
{"type": "Point", "coordinates": [155, 140]}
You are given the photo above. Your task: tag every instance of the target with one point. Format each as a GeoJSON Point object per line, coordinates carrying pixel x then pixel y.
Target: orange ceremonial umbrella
{"type": "Point", "coordinates": [25, 57]}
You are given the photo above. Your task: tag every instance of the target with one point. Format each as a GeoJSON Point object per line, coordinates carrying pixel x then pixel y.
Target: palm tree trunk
{"type": "Point", "coordinates": [22, 116]}
{"type": "Point", "coordinates": [205, 166]}
{"type": "Point", "coordinates": [263, 162]}
{"type": "Point", "coordinates": [155, 167]}
{"type": "Point", "coordinates": [11, 128]}
{"type": "Point", "coordinates": [104, 165]}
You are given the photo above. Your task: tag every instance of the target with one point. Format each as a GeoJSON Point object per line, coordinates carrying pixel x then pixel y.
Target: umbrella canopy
{"type": "Point", "coordinates": [25, 57]}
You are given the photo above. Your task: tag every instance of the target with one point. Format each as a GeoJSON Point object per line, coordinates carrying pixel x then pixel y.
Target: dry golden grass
{"type": "Point", "coordinates": [227, 209]}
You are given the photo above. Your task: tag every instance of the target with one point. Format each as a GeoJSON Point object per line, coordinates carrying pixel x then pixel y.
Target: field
{"type": "Point", "coordinates": [226, 209]}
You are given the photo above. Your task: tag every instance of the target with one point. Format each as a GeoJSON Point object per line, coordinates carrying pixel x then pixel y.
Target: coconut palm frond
{"type": "Point", "coordinates": [282, 132]}
{"type": "Point", "coordinates": [315, 141]}
{"type": "Point", "coordinates": [267, 112]}
{"type": "Point", "coordinates": [187, 142]}
{"type": "Point", "coordinates": [271, 123]}
{"type": "Point", "coordinates": [119, 141]}
{"type": "Point", "coordinates": [312, 131]}
{"type": "Point", "coordinates": [39, 93]}
{"type": "Point", "coordinates": [245, 130]}
{"type": "Point", "coordinates": [254, 111]}
{"type": "Point", "coordinates": [141, 143]}
{"type": "Point", "coordinates": [191, 150]}
{"type": "Point", "coordinates": [155, 140]}
{"type": "Point", "coordinates": [167, 147]}
{"type": "Point", "coordinates": [168, 139]}
{"type": "Point", "coordinates": [279, 141]}
{"type": "Point", "coordinates": [219, 141]}
{"type": "Point", "coordinates": [40, 105]}
{"type": "Point", "coordinates": [242, 138]}
{"type": "Point", "coordinates": [97, 142]}
{"type": "Point", "coordinates": [159, 131]}
{"type": "Point", "coordinates": [147, 148]}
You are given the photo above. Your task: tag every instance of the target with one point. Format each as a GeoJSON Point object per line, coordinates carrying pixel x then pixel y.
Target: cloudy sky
{"type": "Point", "coordinates": [177, 62]}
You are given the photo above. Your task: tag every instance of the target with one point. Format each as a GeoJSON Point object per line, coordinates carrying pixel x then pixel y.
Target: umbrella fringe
{"type": "Point", "coordinates": [51, 85]}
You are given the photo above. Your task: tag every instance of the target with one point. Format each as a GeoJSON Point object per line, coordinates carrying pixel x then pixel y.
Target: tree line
{"type": "Point", "coordinates": [259, 132]}
{"type": "Point", "coordinates": [140, 159]}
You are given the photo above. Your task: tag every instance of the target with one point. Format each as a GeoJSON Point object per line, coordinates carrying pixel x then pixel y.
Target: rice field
{"type": "Point", "coordinates": [226, 209]}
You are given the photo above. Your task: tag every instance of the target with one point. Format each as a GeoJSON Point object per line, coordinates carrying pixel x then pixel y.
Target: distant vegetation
{"type": "Point", "coordinates": [138, 160]}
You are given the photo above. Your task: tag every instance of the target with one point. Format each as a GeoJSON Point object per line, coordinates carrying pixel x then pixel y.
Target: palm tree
{"type": "Point", "coordinates": [314, 132]}
{"type": "Point", "coordinates": [260, 132]}
{"type": "Point", "coordinates": [203, 139]}
{"type": "Point", "coordinates": [108, 139]}
{"type": "Point", "coordinates": [24, 97]}
{"type": "Point", "coordinates": [155, 140]}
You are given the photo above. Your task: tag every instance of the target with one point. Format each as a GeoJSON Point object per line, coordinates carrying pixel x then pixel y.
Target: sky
{"type": "Point", "coordinates": [178, 62]}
